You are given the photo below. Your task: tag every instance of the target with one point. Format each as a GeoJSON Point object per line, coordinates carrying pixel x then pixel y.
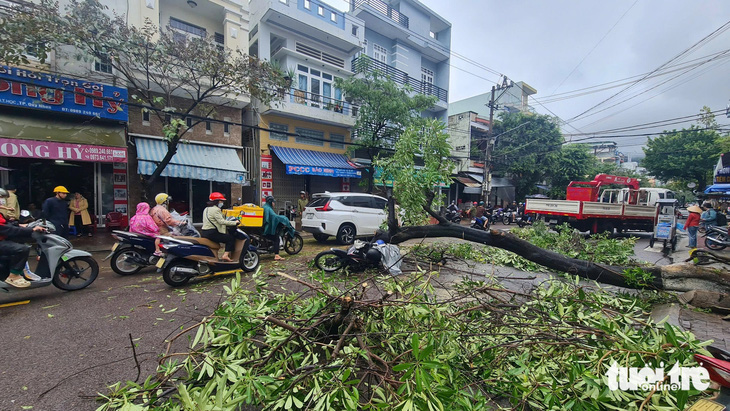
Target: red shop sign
{"type": "Point", "coordinates": [61, 151]}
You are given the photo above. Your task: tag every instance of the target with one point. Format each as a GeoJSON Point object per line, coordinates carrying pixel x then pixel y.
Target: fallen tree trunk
{"type": "Point", "coordinates": [675, 277]}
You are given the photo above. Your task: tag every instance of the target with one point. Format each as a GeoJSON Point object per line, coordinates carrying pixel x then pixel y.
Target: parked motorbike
{"type": "Point", "coordinates": [188, 257]}
{"type": "Point", "coordinates": [717, 238]}
{"type": "Point", "coordinates": [60, 264]}
{"type": "Point", "coordinates": [524, 220]}
{"type": "Point", "coordinates": [131, 253]}
{"type": "Point", "coordinates": [360, 256]}
{"type": "Point", "coordinates": [291, 243]}
{"type": "Point", "coordinates": [718, 366]}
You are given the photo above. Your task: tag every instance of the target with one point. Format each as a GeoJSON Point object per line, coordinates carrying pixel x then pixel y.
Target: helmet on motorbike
{"type": "Point", "coordinates": [60, 189]}
{"type": "Point", "coordinates": [216, 196]}
{"type": "Point", "coordinates": [373, 256]}
{"type": "Point", "coordinates": [4, 193]}
{"type": "Point", "coordinates": [162, 198]}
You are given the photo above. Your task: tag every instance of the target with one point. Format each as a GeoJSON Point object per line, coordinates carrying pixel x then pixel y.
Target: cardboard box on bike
{"type": "Point", "coordinates": [250, 215]}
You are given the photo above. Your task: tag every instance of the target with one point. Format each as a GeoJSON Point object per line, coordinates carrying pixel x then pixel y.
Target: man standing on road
{"type": "Point", "coordinates": [302, 202]}
{"type": "Point", "coordinates": [55, 210]}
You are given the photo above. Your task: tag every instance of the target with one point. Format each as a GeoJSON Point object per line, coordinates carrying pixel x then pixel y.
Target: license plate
{"type": "Point", "coordinates": [553, 221]}
{"type": "Point", "coordinates": [706, 405]}
{"type": "Point", "coordinates": [160, 263]}
{"type": "Point", "coordinates": [115, 246]}
{"type": "Point", "coordinates": [310, 216]}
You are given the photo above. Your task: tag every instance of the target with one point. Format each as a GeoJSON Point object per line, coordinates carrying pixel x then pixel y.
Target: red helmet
{"type": "Point", "coordinates": [216, 196]}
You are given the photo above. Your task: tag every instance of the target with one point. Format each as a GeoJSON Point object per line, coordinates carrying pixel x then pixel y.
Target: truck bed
{"type": "Point", "coordinates": [589, 209]}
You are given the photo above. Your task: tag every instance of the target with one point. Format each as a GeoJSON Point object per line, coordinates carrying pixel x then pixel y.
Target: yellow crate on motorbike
{"type": "Point", "coordinates": [249, 215]}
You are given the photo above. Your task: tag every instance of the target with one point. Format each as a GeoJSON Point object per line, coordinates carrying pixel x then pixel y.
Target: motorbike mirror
{"type": "Point", "coordinates": [24, 213]}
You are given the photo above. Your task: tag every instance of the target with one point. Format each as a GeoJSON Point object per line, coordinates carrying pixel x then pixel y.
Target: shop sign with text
{"type": "Point", "coordinates": [61, 151]}
{"type": "Point", "coordinates": [322, 171]}
{"type": "Point", "coordinates": [43, 91]}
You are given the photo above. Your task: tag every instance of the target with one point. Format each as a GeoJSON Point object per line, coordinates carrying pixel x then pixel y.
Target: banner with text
{"type": "Point", "coordinates": [61, 151]}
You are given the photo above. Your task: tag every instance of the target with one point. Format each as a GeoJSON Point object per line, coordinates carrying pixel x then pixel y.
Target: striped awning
{"type": "Point", "coordinates": [192, 160]}
{"type": "Point", "coordinates": [316, 163]}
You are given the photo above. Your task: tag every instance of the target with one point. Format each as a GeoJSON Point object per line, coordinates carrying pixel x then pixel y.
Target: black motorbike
{"type": "Point", "coordinates": [131, 253]}
{"type": "Point", "coordinates": [289, 239]}
{"type": "Point", "coordinates": [360, 256]}
{"type": "Point", "coordinates": [525, 220]}
{"type": "Point", "coordinates": [478, 223]}
{"type": "Point", "coordinates": [717, 238]}
{"type": "Point", "coordinates": [453, 216]}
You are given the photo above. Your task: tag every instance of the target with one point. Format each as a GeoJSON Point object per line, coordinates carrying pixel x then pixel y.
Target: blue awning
{"type": "Point", "coordinates": [192, 160]}
{"type": "Point", "coordinates": [718, 189]}
{"type": "Point", "coordinates": [315, 163]}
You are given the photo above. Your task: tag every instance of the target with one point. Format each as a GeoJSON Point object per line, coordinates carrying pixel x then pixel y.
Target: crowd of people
{"type": "Point", "coordinates": [702, 217]}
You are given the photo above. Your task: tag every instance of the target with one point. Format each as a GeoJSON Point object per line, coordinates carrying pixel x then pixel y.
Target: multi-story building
{"type": "Point", "coordinates": [410, 43]}
{"type": "Point", "coordinates": [303, 138]}
{"type": "Point", "coordinates": [86, 148]}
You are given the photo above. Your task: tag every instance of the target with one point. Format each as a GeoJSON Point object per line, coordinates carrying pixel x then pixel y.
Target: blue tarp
{"type": "Point", "coordinates": [718, 189]}
{"type": "Point", "coordinates": [315, 163]}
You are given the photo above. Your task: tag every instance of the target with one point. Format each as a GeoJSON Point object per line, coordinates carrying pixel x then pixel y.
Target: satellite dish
{"type": "Point", "coordinates": [691, 185]}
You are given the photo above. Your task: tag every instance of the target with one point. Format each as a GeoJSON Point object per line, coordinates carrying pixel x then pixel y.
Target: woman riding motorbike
{"type": "Point", "coordinates": [215, 226]}
{"type": "Point", "coordinates": [271, 225]}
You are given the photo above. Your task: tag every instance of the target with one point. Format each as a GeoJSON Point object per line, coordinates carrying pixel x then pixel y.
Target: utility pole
{"type": "Point", "coordinates": [487, 177]}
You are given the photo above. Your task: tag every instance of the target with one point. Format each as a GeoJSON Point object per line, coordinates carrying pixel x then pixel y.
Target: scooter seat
{"type": "Point", "coordinates": [201, 241]}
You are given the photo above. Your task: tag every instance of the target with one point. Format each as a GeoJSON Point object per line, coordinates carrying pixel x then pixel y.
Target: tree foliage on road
{"type": "Point", "coordinates": [385, 110]}
{"type": "Point", "coordinates": [170, 75]}
{"type": "Point", "coordinates": [527, 148]}
{"type": "Point", "coordinates": [688, 155]}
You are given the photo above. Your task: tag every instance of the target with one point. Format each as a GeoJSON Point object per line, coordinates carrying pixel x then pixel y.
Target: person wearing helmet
{"type": "Point", "coordinates": [302, 202]}
{"type": "Point", "coordinates": [271, 225]}
{"type": "Point", "coordinates": [162, 216]}
{"type": "Point", "coordinates": [55, 210]}
{"type": "Point", "coordinates": [480, 210]}
{"type": "Point", "coordinates": [215, 226]}
{"type": "Point", "coordinates": [709, 216]}
{"type": "Point", "coordinates": [17, 252]}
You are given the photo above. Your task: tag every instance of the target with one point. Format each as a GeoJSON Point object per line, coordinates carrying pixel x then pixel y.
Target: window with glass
{"type": "Point", "coordinates": [380, 53]}
{"type": "Point", "coordinates": [333, 17]}
{"type": "Point", "coordinates": [307, 4]}
{"type": "Point", "coordinates": [337, 141]}
{"type": "Point", "coordinates": [146, 116]}
{"type": "Point", "coordinates": [320, 10]}
{"type": "Point", "coordinates": [278, 131]}
{"type": "Point", "coordinates": [187, 27]}
{"type": "Point", "coordinates": [311, 137]}
{"type": "Point", "coordinates": [103, 64]}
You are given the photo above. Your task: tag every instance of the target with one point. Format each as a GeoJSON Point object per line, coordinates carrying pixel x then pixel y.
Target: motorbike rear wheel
{"type": "Point", "coordinates": [506, 220]}
{"type": "Point", "coordinates": [67, 272]}
{"type": "Point", "coordinates": [293, 245]}
{"type": "Point", "coordinates": [120, 261]}
{"type": "Point", "coordinates": [714, 245]}
{"type": "Point", "coordinates": [175, 279]}
{"type": "Point", "coordinates": [328, 261]}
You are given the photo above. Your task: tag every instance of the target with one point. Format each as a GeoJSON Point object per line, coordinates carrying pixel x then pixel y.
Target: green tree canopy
{"type": "Point", "coordinates": [386, 109]}
{"type": "Point", "coordinates": [527, 147]}
{"type": "Point", "coordinates": [688, 155]}
{"type": "Point", "coordinates": [574, 162]}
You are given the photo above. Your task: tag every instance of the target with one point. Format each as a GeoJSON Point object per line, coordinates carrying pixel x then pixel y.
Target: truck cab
{"type": "Point", "coordinates": [642, 196]}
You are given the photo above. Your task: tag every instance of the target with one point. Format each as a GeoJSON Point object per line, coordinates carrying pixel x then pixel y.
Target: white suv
{"type": "Point", "coordinates": [344, 215]}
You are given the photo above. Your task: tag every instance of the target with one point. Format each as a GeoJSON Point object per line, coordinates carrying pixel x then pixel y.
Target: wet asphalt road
{"type": "Point", "coordinates": [62, 348]}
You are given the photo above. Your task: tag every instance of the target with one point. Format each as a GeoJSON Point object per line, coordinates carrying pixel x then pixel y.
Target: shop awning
{"type": "Point", "coordinates": [192, 160]}
{"type": "Point", "coordinates": [468, 181]}
{"type": "Point", "coordinates": [315, 163]}
{"type": "Point", "coordinates": [718, 189]}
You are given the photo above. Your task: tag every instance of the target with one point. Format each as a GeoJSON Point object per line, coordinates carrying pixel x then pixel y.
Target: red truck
{"type": "Point", "coordinates": [592, 206]}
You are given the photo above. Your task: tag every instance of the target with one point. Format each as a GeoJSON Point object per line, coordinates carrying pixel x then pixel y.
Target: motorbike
{"type": "Point", "coordinates": [60, 264]}
{"type": "Point", "coordinates": [717, 238]}
{"type": "Point", "coordinates": [524, 220]}
{"type": "Point", "coordinates": [131, 253]}
{"type": "Point", "coordinates": [359, 257]}
{"type": "Point", "coordinates": [478, 223]}
{"type": "Point", "coordinates": [508, 217]}
{"type": "Point", "coordinates": [718, 367]}
{"type": "Point", "coordinates": [453, 216]}
{"type": "Point", "coordinates": [291, 243]}
{"type": "Point", "coordinates": [190, 257]}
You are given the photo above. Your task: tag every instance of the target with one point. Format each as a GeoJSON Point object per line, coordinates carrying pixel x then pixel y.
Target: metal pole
{"type": "Point", "coordinates": [487, 177]}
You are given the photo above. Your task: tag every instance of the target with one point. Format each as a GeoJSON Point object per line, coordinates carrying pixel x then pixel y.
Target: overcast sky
{"type": "Point", "coordinates": [560, 46]}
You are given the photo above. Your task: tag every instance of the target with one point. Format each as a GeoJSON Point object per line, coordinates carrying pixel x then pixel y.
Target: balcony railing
{"type": "Point", "coordinates": [400, 77]}
{"type": "Point", "coordinates": [385, 9]}
{"type": "Point", "coordinates": [319, 101]}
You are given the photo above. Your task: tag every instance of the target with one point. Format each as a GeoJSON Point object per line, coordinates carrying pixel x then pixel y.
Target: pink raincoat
{"type": "Point", "coordinates": [142, 222]}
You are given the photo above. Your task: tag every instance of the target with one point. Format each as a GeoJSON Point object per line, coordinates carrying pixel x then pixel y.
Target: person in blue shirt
{"type": "Point", "coordinates": [709, 216]}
